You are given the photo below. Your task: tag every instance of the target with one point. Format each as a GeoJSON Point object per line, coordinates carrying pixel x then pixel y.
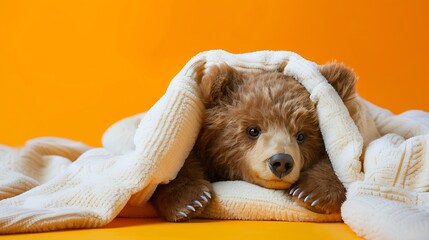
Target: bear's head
{"type": "Point", "coordinates": [262, 127]}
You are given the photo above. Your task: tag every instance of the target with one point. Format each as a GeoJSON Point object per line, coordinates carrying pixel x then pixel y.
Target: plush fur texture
{"type": "Point", "coordinates": [280, 109]}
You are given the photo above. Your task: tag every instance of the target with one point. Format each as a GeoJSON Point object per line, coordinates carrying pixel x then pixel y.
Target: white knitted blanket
{"type": "Point", "coordinates": [54, 183]}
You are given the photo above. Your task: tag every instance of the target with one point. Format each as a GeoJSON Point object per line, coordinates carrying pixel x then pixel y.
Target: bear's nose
{"type": "Point", "coordinates": [281, 164]}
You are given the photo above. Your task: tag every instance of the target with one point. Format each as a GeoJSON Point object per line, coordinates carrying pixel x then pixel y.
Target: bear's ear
{"type": "Point", "coordinates": [342, 78]}
{"type": "Point", "coordinates": [218, 83]}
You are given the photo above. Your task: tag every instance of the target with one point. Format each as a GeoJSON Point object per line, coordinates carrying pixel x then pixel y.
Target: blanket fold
{"type": "Point", "coordinates": [381, 158]}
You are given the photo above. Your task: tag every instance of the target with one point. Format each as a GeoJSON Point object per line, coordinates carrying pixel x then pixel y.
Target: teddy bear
{"type": "Point", "coordinates": [259, 127]}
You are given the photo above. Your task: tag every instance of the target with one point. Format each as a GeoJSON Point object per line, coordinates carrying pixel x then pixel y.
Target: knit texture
{"type": "Point", "coordinates": [382, 160]}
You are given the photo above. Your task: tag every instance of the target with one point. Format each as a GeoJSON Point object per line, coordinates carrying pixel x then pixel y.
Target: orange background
{"type": "Point", "coordinates": [72, 68]}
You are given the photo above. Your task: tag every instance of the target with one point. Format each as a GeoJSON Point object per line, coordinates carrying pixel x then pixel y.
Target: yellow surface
{"type": "Point", "coordinates": [70, 68]}
{"type": "Point", "coordinates": [130, 229]}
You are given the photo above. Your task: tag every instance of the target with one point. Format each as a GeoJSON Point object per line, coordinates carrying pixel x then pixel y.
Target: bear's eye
{"type": "Point", "coordinates": [253, 132]}
{"type": "Point", "coordinates": [300, 137]}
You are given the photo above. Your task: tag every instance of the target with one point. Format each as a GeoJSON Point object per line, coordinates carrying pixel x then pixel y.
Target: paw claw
{"type": "Point", "coordinates": [292, 190]}
{"type": "Point", "coordinates": [300, 194]}
{"type": "Point", "coordinates": [198, 203]}
{"type": "Point", "coordinates": [207, 194]}
{"type": "Point", "coordinates": [190, 208]}
{"type": "Point", "coordinates": [314, 202]}
{"type": "Point", "coordinates": [306, 198]}
{"type": "Point", "coordinates": [295, 192]}
{"type": "Point", "coordinates": [182, 214]}
{"type": "Point", "coordinates": [204, 198]}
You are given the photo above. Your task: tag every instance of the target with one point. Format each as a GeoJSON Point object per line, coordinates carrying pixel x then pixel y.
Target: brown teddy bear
{"type": "Point", "coordinates": [262, 128]}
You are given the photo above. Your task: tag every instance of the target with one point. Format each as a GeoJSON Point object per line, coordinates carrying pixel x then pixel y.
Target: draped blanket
{"type": "Point", "coordinates": [382, 159]}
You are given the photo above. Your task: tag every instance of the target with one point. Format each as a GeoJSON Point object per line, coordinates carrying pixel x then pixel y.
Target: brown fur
{"type": "Point", "coordinates": [281, 108]}
{"type": "Point", "coordinates": [248, 101]}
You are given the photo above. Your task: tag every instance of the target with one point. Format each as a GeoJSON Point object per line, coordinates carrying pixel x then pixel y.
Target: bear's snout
{"type": "Point", "coordinates": [280, 164]}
